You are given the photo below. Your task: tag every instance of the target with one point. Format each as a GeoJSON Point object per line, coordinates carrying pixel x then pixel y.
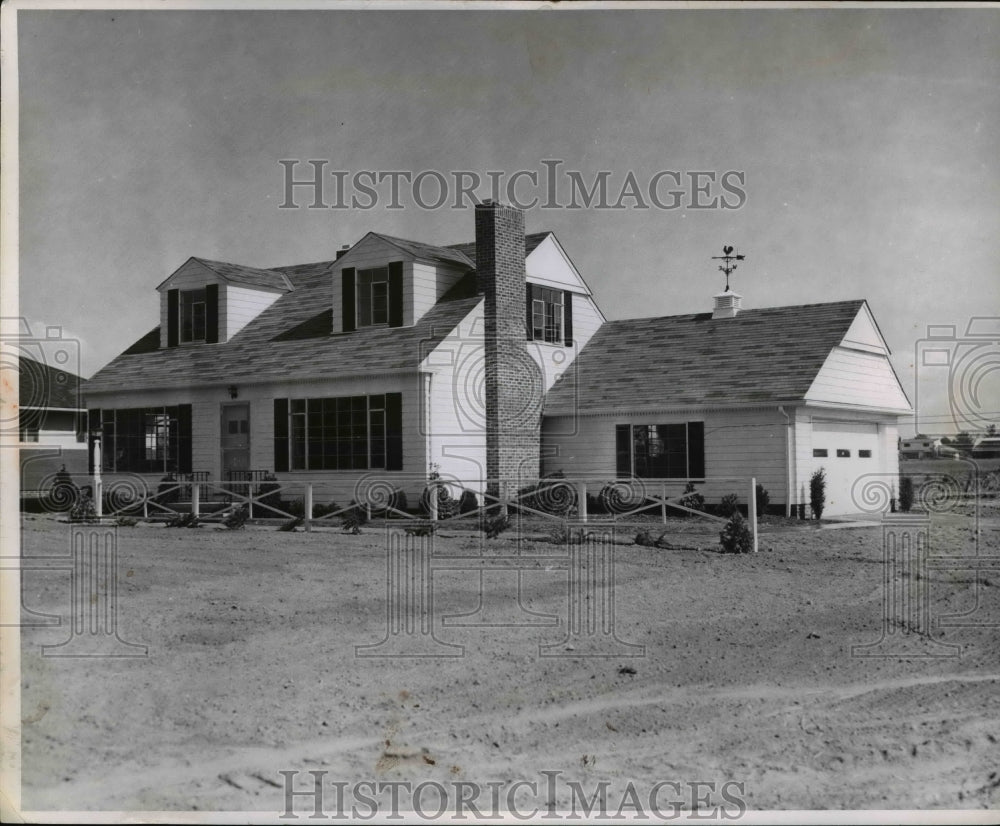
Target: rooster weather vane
{"type": "Point", "coordinates": [729, 263]}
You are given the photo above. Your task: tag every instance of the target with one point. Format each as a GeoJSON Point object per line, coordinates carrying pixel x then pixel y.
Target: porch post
{"type": "Point", "coordinates": [581, 500]}
{"type": "Point", "coordinates": [307, 505]}
{"type": "Point", "coordinates": [752, 508]}
{"type": "Point", "coordinates": [196, 500]}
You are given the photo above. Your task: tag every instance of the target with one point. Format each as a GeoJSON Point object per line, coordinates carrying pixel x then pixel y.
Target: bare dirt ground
{"type": "Point", "coordinates": [747, 675]}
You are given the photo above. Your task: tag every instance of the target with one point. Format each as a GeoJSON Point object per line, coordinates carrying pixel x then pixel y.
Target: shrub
{"type": "Point", "coordinates": [468, 502]}
{"type": "Point", "coordinates": [324, 510]}
{"type": "Point", "coordinates": [447, 505]}
{"type": "Point", "coordinates": [763, 499]}
{"type": "Point", "coordinates": [168, 490]}
{"type": "Point", "coordinates": [236, 520]}
{"type": "Point", "coordinates": [549, 495]}
{"type": "Point", "coordinates": [692, 499]}
{"type": "Point", "coordinates": [269, 494]}
{"type": "Point", "coordinates": [905, 493]}
{"type": "Point", "coordinates": [354, 518]}
{"type": "Point", "coordinates": [735, 537]}
{"type": "Point", "coordinates": [729, 505]}
{"type": "Point", "coordinates": [817, 493]}
{"type": "Point", "coordinates": [83, 510]}
{"type": "Point", "coordinates": [63, 493]}
{"type": "Point", "coordinates": [495, 525]}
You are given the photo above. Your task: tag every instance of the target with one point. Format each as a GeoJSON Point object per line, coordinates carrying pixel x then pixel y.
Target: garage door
{"type": "Point", "coordinates": [847, 450]}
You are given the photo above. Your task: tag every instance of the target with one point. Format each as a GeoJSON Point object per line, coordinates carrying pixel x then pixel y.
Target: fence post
{"type": "Point", "coordinates": [663, 502]}
{"type": "Point", "coordinates": [249, 491]}
{"type": "Point", "coordinates": [196, 500]}
{"type": "Point", "coordinates": [432, 502]}
{"type": "Point", "coordinates": [581, 500]}
{"type": "Point", "coordinates": [307, 506]}
{"type": "Point", "coordinates": [752, 507]}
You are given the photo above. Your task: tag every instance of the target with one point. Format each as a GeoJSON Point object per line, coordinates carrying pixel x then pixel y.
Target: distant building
{"type": "Point", "coordinates": [986, 447]}
{"type": "Point", "coordinates": [51, 424]}
{"type": "Point", "coordinates": [926, 448]}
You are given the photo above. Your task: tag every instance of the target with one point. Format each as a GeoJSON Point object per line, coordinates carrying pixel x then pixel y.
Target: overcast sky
{"type": "Point", "coordinates": [868, 139]}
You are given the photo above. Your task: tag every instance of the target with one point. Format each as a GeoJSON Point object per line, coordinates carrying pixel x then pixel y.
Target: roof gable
{"type": "Point", "coordinates": [863, 334]}
{"type": "Point", "coordinates": [213, 271]}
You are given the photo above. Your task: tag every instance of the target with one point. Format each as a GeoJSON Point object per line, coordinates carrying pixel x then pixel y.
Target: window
{"type": "Point", "coordinates": [193, 315]}
{"type": "Point", "coordinates": [843, 454]}
{"type": "Point", "coordinates": [373, 296]}
{"type": "Point", "coordinates": [345, 433]}
{"type": "Point", "coordinates": [546, 310]}
{"type": "Point", "coordinates": [662, 451]}
{"type": "Point", "coordinates": [145, 439]}
{"type": "Point", "coordinates": [820, 453]}
{"type": "Point", "coordinates": [864, 454]}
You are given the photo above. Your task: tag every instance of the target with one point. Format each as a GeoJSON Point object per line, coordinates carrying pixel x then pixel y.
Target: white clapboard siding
{"type": "Point", "coordinates": [556, 359]}
{"type": "Point", "coordinates": [855, 377]}
{"type": "Point", "coordinates": [238, 306]}
{"type": "Point", "coordinates": [454, 371]}
{"type": "Point", "coordinates": [739, 445]}
{"type": "Point", "coordinates": [424, 285]}
{"type": "Point", "coordinates": [370, 251]}
{"type": "Point", "coordinates": [192, 275]}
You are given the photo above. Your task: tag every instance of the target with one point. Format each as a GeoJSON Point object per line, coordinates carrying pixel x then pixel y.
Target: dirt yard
{"type": "Point", "coordinates": [747, 674]}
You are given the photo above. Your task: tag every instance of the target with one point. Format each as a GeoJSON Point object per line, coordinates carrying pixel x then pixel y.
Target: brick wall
{"type": "Point", "coordinates": [513, 383]}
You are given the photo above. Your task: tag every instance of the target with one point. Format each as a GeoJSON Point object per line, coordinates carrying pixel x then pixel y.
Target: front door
{"type": "Point", "coordinates": [235, 439]}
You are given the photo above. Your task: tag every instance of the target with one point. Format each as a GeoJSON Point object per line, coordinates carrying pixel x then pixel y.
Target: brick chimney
{"type": "Point", "coordinates": [513, 385]}
{"type": "Point", "coordinates": [727, 305]}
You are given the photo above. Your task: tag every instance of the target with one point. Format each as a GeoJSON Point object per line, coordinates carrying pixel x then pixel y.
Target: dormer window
{"type": "Point", "coordinates": [193, 315]}
{"type": "Point", "coordinates": [373, 297]}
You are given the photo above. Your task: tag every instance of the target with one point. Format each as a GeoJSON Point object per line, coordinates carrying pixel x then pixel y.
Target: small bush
{"type": "Point", "coordinates": [63, 493]}
{"type": "Point", "coordinates": [291, 524]}
{"type": "Point", "coordinates": [729, 505]}
{"type": "Point", "coordinates": [354, 518]}
{"type": "Point", "coordinates": [126, 521]}
{"type": "Point", "coordinates": [493, 526]}
{"type": "Point", "coordinates": [817, 493]}
{"type": "Point", "coordinates": [269, 494]}
{"type": "Point", "coordinates": [549, 495]}
{"type": "Point", "coordinates": [691, 499]}
{"type": "Point", "coordinates": [735, 537]}
{"type": "Point", "coordinates": [905, 493]}
{"type": "Point", "coordinates": [763, 499]}
{"type": "Point", "coordinates": [447, 505]}
{"type": "Point", "coordinates": [83, 510]}
{"type": "Point", "coordinates": [168, 490]}
{"type": "Point", "coordinates": [237, 520]}
{"type": "Point", "coordinates": [468, 502]}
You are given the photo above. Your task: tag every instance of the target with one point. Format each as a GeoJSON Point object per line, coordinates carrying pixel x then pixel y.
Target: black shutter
{"type": "Point", "coordinates": [93, 424]}
{"type": "Point", "coordinates": [696, 450]}
{"type": "Point", "coordinates": [396, 294]}
{"type": "Point", "coordinates": [527, 302]}
{"type": "Point", "coordinates": [393, 431]}
{"type": "Point", "coordinates": [568, 318]}
{"type": "Point", "coordinates": [184, 463]}
{"type": "Point", "coordinates": [173, 317]}
{"type": "Point", "coordinates": [347, 293]}
{"type": "Point", "coordinates": [281, 435]}
{"type": "Point", "coordinates": [212, 314]}
{"type": "Point", "coordinates": [623, 450]}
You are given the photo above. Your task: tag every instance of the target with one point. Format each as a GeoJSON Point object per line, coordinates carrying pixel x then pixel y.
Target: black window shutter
{"type": "Point", "coordinates": [696, 450]}
{"type": "Point", "coordinates": [527, 302]}
{"type": "Point", "coordinates": [568, 318]}
{"type": "Point", "coordinates": [184, 464]}
{"type": "Point", "coordinates": [93, 425]}
{"type": "Point", "coordinates": [347, 292]}
{"type": "Point", "coordinates": [281, 435]}
{"type": "Point", "coordinates": [396, 294]}
{"type": "Point", "coordinates": [212, 313]}
{"type": "Point", "coordinates": [393, 431]}
{"type": "Point", "coordinates": [623, 450]}
{"type": "Point", "coordinates": [173, 317]}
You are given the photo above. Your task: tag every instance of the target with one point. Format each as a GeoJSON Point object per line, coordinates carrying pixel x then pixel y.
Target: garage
{"type": "Point", "coordinates": [847, 450]}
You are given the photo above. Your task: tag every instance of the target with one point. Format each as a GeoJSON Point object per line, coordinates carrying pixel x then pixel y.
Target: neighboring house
{"type": "Point", "coordinates": [51, 424]}
{"type": "Point", "coordinates": [926, 448]}
{"type": "Point", "coordinates": [986, 447]}
{"type": "Point", "coordinates": [490, 360]}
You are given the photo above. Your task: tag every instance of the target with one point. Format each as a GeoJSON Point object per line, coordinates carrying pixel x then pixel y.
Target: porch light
{"type": "Point", "coordinates": [234, 391]}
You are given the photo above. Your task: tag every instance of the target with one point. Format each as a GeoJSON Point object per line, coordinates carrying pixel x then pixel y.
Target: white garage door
{"type": "Point", "coordinates": [847, 450]}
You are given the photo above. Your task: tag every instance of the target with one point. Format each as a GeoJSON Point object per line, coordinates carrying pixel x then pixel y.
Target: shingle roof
{"type": "Point", "coordinates": [284, 342]}
{"type": "Point", "coordinates": [429, 252]}
{"type": "Point", "coordinates": [760, 356]}
{"type": "Point", "coordinates": [531, 241]}
{"type": "Point", "coordinates": [252, 276]}
{"type": "Point", "coordinates": [42, 385]}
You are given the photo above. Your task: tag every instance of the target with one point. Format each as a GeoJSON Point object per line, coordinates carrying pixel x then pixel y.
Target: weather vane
{"type": "Point", "coordinates": [729, 263]}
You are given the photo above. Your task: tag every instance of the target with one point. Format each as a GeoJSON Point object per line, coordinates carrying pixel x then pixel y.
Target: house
{"type": "Point", "coordinates": [490, 363]}
{"type": "Point", "coordinates": [51, 419]}
{"type": "Point", "coordinates": [986, 447]}
{"type": "Point", "coordinates": [924, 447]}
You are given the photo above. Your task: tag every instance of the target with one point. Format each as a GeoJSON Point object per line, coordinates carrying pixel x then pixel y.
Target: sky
{"type": "Point", "coordinates": [867, 142]}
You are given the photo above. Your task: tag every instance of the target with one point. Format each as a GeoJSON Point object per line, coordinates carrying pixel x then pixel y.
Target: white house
{"type": "Point", "coordinates": [490, 360]}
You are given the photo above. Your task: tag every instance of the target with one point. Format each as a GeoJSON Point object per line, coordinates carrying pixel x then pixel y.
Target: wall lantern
{"type": "Point", "coordinates": [234, 391]}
